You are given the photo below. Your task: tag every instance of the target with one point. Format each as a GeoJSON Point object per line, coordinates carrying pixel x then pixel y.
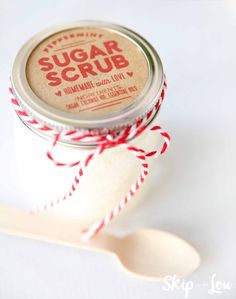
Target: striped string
{"type": "Point", "coordinates": [103, 142]}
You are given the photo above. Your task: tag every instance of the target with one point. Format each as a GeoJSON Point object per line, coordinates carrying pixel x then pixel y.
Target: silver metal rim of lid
{"type": "Point", "coordinates": [60, 120]}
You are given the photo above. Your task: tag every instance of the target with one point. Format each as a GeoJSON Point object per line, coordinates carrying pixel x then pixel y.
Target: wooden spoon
{"type": "Point", "coordinates": [149, 254]}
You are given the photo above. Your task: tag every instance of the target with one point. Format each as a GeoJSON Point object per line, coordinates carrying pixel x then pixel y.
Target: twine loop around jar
{"type": "Point", "coordinates": [103, 142]}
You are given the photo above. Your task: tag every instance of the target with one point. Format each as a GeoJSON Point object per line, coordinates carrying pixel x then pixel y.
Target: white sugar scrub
{"type": "Point", "coordinates": [105, 182]}
{"type": "Point", "coordinates": [100, 81]}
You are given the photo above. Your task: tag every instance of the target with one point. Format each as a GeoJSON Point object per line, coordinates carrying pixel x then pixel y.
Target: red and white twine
{"type": "Point", "coordinates": [103, 142]}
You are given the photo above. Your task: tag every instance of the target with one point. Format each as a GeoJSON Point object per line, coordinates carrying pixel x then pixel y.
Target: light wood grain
{"type": "Point", "coordinates": [149, 254]}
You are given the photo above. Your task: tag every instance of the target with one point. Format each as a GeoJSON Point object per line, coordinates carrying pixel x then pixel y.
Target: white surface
{"type": "Point", "coordinates": [195, 194]}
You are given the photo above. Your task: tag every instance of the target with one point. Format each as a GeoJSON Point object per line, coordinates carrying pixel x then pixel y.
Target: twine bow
{"type": "Point", "coordinates": [103, 142]}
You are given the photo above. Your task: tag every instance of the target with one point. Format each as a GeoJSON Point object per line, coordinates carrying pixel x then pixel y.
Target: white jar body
{"type": "Point", "coordinates": [105, 182]}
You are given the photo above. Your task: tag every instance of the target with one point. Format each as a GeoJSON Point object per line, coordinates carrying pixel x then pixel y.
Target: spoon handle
{"type": "Point", "coordinates": [50, 228]}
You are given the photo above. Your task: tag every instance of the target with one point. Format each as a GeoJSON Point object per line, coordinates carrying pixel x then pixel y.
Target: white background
{"type": "Point", "coordinates": [195, 194]}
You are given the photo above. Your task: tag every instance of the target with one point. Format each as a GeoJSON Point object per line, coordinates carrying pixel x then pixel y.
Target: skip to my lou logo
{"type": "Point", "coordinates": [213, 286]}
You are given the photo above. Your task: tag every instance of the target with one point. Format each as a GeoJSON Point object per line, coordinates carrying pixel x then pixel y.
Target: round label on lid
{"type": "Point", "coordinates": [87, 70]}
{"type": "Point", "coordinates": [87, 75]}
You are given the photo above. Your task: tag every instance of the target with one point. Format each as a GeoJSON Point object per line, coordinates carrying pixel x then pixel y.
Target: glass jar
{"type": "Point", "coordinates": [88, 77]}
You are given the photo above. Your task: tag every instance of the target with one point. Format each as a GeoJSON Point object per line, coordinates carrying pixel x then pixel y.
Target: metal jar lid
{"type": "Point", "coordinates": [87, 75]}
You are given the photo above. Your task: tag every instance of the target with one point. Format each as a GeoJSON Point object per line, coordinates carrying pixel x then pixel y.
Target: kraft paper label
{"type": "Point", "coordinates": [87, 70]}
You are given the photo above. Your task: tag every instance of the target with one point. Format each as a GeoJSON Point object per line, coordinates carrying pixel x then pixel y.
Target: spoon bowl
{"type": "Point", "coordinates": [155, 254]}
